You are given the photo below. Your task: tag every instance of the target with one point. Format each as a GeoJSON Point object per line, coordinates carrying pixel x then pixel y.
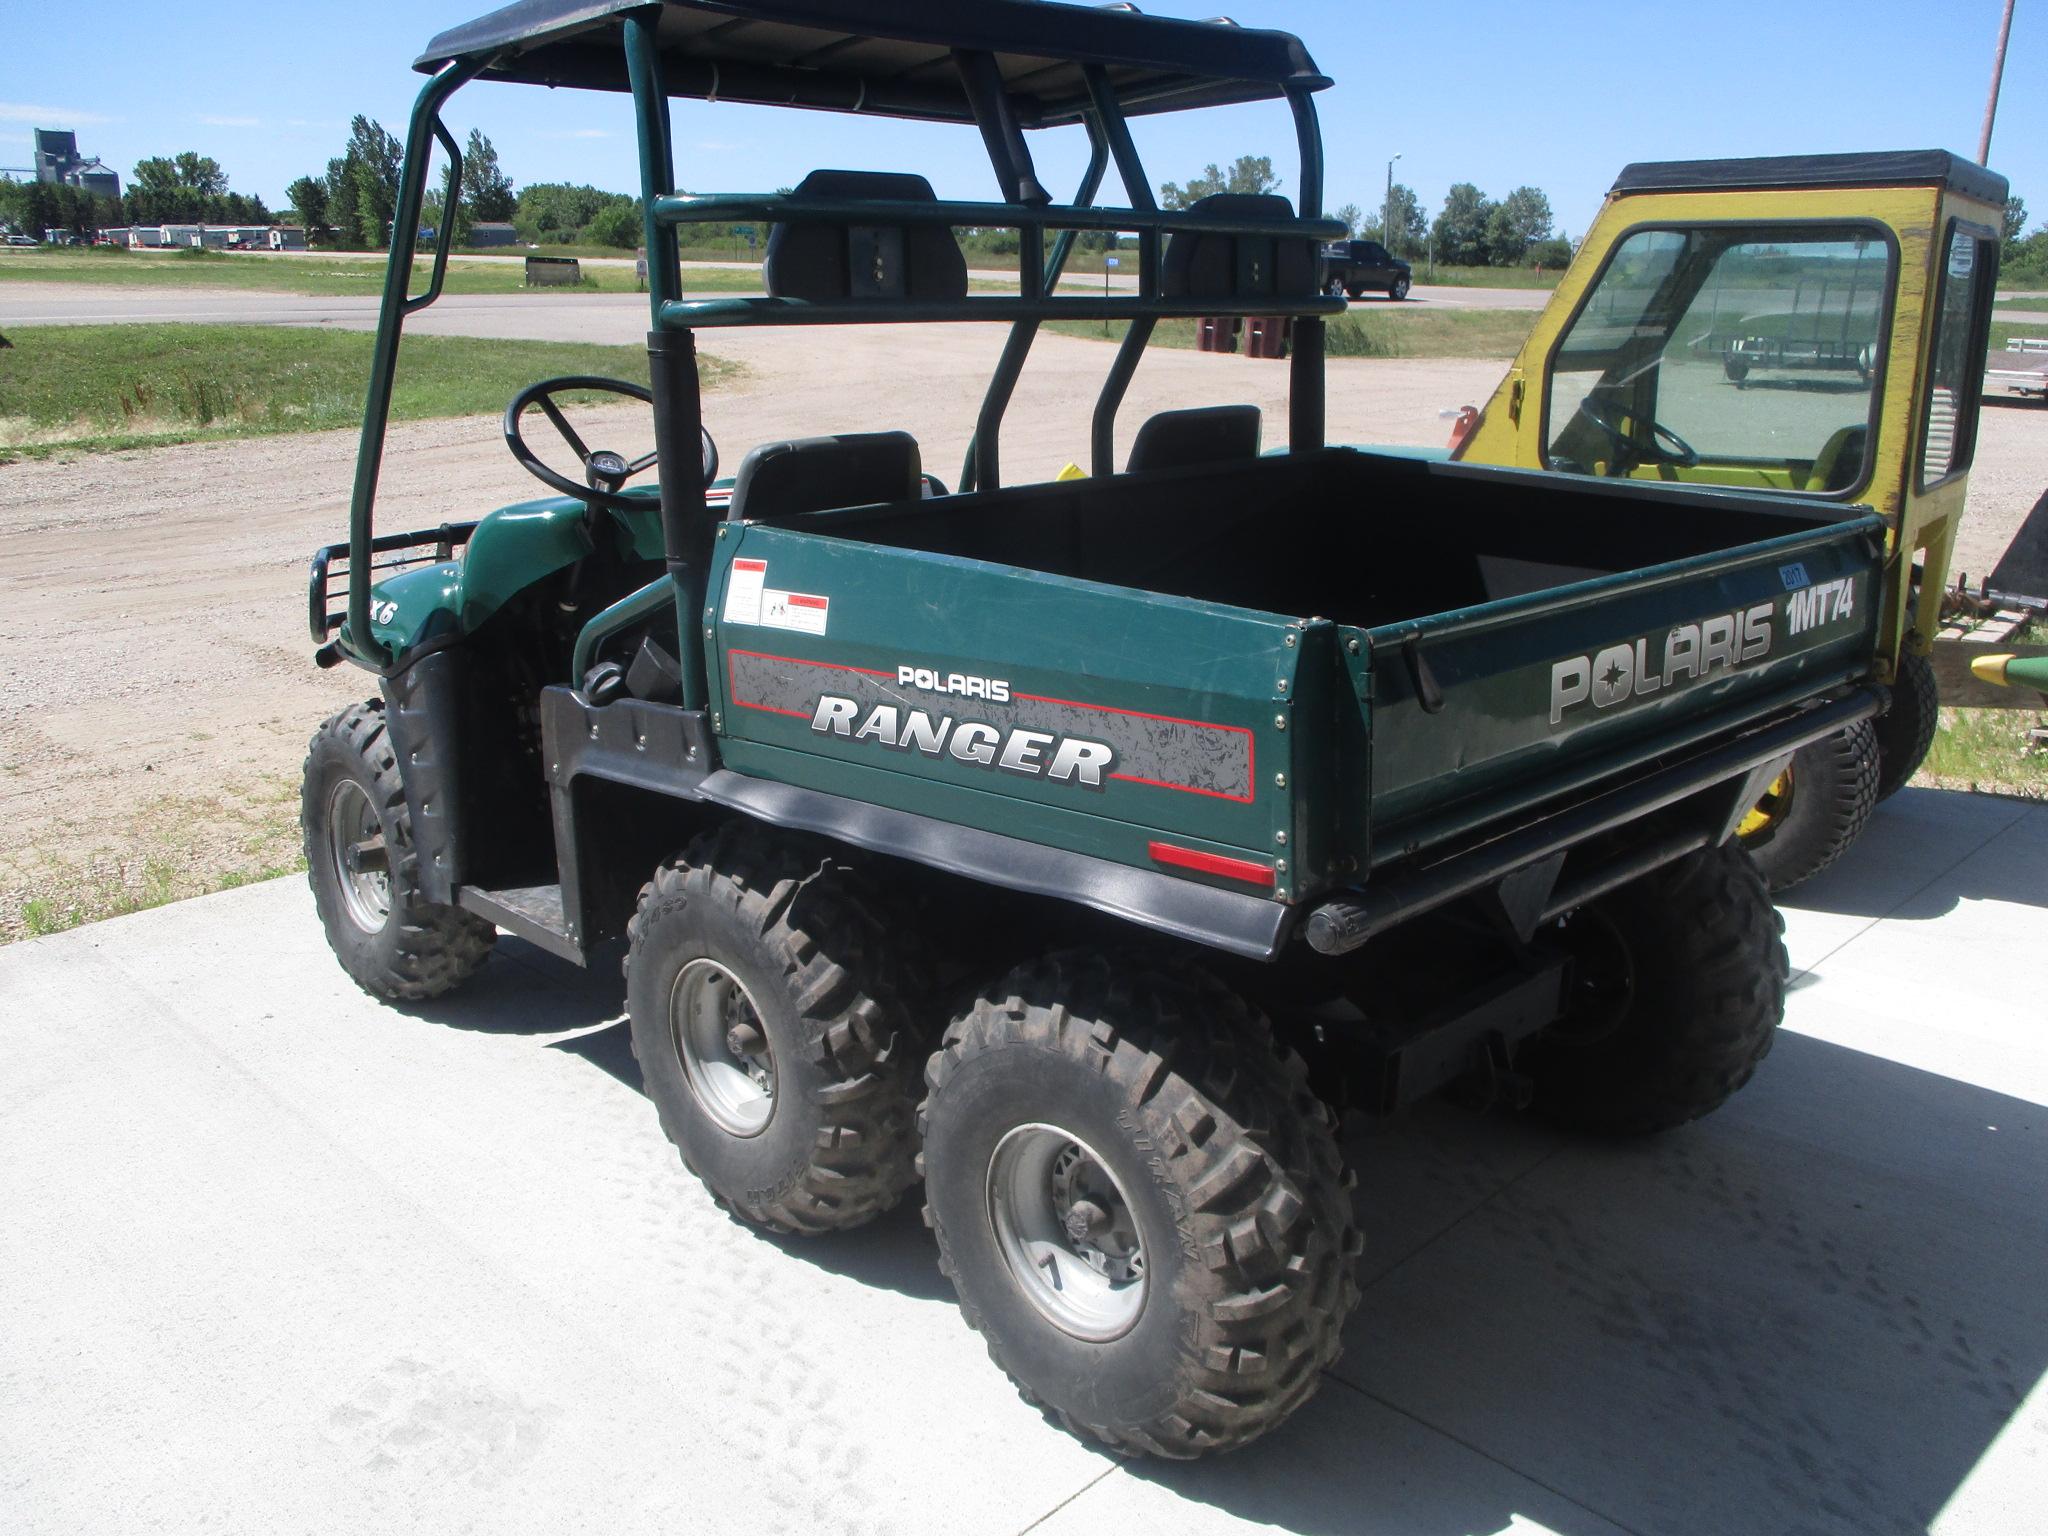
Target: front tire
{"type": "Point", "coordinates": [1135, 1142]}
{"type": "Point", "coordinates": [1817, 808]}
{"type": "Point", "coordinates": [1679, 981]}
{"type": "Point", "coordinates": [1399, 290]}
{"type": "Point", "coordinates": [772, 1021]}
{"type": "Point", "coordinates": [364, 869]}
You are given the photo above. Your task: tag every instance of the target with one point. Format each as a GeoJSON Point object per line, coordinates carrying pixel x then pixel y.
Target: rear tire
{"type": "Point", "coordinates": [1199, 1171]}
{"type": "Point", "coordinates": [1680, 983]}
{"type": "Point", "coordinates": [771, 1018]}
{"type": "Point", "coordinates": [1818, 809]}
{"type": "Point", "coordinates": [352, 805]}
{"type": "Point", "coordinates": [1906, 730]}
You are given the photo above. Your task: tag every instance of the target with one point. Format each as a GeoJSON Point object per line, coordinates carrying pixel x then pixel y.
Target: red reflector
{"type": "Point", "coordinates": [1251, 872]}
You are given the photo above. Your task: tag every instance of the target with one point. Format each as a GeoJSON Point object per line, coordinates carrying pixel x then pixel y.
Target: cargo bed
{"type": "Point", "coordinates": [1463, 645]}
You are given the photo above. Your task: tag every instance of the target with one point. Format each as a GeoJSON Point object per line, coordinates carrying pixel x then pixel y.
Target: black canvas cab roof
{"type": "Point", "coordinates": [1932, 167]}
{"type": "Point", "coordinates": [894, 59]}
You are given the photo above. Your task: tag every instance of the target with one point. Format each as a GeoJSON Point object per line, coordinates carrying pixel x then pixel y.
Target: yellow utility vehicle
{"type": "Point", "coordinates": [1813, 324]}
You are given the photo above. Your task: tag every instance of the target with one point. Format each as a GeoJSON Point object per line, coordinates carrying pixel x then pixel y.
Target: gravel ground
{"type": "Point", "coordinates": [155, 687]}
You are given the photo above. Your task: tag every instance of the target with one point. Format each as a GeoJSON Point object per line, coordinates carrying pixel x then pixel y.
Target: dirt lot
{"type": "Point", "coordinates": [155, 687]}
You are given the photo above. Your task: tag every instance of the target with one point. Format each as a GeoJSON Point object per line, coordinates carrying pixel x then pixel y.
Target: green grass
{"type": "Point", "coordinates": [1487, 277]}
{"type": "Point", "coordinates": [98, 387]}
{"type": "Point", "coordinates": [1986, 749]}
{"type": "Point", "coordinates": [1384, 332]}
{"type": "Point", "coordinates": [2001, 330]}
{"type": "Point", "coordinates": [322, 274]}
{"type": "Point", "coordinates": [164, 850]}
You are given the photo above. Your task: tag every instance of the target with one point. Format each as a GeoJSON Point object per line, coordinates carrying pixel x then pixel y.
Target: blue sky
{"type": "Point", "coordinates": [1558, 95]}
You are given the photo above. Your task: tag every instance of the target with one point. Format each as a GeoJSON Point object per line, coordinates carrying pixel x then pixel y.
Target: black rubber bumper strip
{"type": "Point", "coordinates": [1252, 926]}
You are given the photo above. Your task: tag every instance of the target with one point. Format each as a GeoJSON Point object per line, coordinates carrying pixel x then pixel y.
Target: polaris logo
{"type": "Point", "coordinates": [994, 689]}
{"type": "Point", "coordinates": [1692, 653]}
{"type": "Point", "coordinates": [1067, 759]}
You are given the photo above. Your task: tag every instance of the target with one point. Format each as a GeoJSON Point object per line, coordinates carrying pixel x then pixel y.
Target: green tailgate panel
{"type": "Point", "coordinates": [1088, 717]}
{"type": "Point", "coordinates": [1530, 697]}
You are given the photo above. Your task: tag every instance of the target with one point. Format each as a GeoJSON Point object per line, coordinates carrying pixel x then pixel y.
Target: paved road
{"type": "Point", "coordinates": [279, 1258]}
{"type": "Point", "coordinates": [539, 316]}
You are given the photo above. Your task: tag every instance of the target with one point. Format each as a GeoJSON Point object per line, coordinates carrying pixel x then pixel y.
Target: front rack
{"type": "Point", "coordinates": [408, 551]}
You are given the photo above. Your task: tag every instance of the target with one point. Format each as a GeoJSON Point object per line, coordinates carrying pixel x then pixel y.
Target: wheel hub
{"type": "Point", "coordinates": [1067, 1232]}
{"type": "Point", "coordinates": [722, 1048]}
{"type": "Point", "coordinates": [355, 843]}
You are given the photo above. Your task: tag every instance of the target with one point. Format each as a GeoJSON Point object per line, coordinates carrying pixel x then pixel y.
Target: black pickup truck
{"type": "Point", "coordinates": [1351, 267]}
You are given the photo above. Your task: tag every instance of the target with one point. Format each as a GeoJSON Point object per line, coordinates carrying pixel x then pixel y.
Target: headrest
{"type": "Point", "coordinates": [1239, 267]}
{"type": "Point", "coordinates": [821, 260]}
{"type": "Point", "coordinates": [1213, 434]}
{"type": "Point", "coordinates": [814, 474]}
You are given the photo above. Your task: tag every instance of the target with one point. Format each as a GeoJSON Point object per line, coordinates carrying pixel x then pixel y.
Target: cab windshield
{"type": "Point", "coordinates": [1731, 355]}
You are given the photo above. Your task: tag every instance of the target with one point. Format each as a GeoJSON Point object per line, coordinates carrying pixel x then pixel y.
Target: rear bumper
{"type": "Point", "coordinates": [1711, 788]}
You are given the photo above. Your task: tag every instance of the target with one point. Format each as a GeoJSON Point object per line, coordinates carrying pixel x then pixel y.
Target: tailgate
{"type": "Point", "coordinates": [1485, 711]}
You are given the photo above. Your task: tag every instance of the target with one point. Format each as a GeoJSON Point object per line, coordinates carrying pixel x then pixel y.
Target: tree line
{"type": "Point", "coordinates": [1472, 230]}
{"type": "Point", "coordinates": [185, 188]}
{"type": "Point", "coordinates": [352, 204]}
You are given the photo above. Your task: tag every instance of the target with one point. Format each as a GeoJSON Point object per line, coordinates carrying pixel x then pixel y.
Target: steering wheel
{"type": "Point", "coordinates": [1665, 446]}
{"type": "Point", "coordinates": [604, 472]}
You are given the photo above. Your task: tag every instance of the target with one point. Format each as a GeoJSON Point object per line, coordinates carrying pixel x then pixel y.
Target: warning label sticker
{"type": "Point", "coordinates": [795, 610]}
{"type": "Point", "coordinates": [750, 600]}
{"type": "Point", "coordinates": [743, 591]}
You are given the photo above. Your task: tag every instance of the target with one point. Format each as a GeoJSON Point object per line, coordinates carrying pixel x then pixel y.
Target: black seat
{"type": "Point", "coordinates": [1241, 268]}
{"type": "Point", "coordinates": [813, 474]}
{"type": "Point", "coordinates": [824, 260]}
{"type": "Point", "coordinates": [1213, 434]}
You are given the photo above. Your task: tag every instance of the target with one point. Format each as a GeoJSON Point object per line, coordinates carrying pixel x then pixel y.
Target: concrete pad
{"type": "Point", "coordinates": [1346, 1465]}
{"type": "Point", "coordinates": [1916, 840]}
{"type": "Point", "coordinates": [276, 1253]}
{"type": "Point", "coordinates": [278, 1257]}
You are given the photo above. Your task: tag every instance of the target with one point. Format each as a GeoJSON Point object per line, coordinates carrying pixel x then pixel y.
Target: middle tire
{"type": "Point", "coordinates": [772, 1019]}
{"type": "Point", "coordinates": [1139, 1202]}
{"type": "Point", "coordinates": [1816, 809]}
{"type": "Point", "coordinates": [1678, 986]}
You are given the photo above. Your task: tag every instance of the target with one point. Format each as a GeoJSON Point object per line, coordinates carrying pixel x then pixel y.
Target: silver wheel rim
{"type": "Point", "coordinates": [1065, 1228]}
{"type": "Point", "coordinates": [722, 1046]}
{"type": "Point", "coordinates": [353, 827]}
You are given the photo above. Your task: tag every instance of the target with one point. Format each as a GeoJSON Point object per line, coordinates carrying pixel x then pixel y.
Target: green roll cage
{"type": "Point", "coordinates": [973, 64]}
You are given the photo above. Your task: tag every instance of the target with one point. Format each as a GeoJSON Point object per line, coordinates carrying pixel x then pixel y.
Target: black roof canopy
{"type": "Point", "coordinates": [1935, 167]}
{"type": "Point", "coordinates": [888, 57]}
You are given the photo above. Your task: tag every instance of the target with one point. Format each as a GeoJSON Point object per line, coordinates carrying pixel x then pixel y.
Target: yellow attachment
{"type": "Point", "coordinates": [1991, 668]}
{"type": "Point", "coordinates": [1072, 472]}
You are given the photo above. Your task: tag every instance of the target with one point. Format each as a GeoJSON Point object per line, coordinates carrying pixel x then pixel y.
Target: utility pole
{"type": "Point", "coordinates": [1387, 208]}
{"type": "Point", "coordinates": [1997, 74]}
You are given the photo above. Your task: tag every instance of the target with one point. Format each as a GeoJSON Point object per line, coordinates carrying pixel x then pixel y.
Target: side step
{"type": "Point", "coordinates": [530, 912]}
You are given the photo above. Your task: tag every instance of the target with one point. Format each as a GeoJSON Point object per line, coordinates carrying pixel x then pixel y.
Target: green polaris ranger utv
{"type": "Point", "coordinates": [1075, 849]}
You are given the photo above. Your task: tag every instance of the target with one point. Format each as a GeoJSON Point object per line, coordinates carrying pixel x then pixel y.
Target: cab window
{"type": "Point", "coordinates": [1955, 374]}
{"type": "Point", "coordinates": [1734, 355]}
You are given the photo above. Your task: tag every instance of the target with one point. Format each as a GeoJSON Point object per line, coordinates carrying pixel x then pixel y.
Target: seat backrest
{"type": "Point", "coordinates": [1213, 434]}
{"type": "Point", "coordinates": [1239, 267]}
{"type": "Point", "coordinates": [823, 260]}
{"type": "Point", "coordinates": [813, 474]}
